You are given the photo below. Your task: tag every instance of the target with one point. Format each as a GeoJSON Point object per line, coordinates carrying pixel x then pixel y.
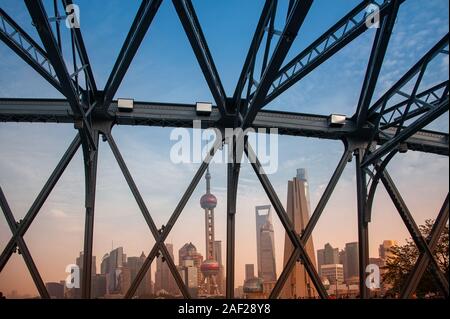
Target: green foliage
{"type": "Point", "coordinates": [404, 258]}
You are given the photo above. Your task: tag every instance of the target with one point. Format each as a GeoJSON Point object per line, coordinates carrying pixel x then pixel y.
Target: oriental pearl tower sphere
{"type": "Point", "coordinates": [210, 267]}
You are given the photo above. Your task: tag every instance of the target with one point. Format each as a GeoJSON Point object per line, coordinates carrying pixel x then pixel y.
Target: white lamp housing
{"type": "Point", "coordinates": [203, 108]}
{"type": "Point", "coordinates": [125, 105]}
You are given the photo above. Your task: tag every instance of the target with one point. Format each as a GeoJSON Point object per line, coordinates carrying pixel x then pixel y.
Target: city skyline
{"type": "Point", "coordinates": [166, 281]}
{"type": "Point", "coordinates": [60, 224]}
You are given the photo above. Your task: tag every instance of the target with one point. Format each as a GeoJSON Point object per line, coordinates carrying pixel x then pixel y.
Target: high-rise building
{"type": "Point", "coordinates": [189, 274]}
{"type": "Point", "coordinates": [189, 252]}
{"type": "Point", "coordinates": [99, 286]}
{"type": "Point", "coordinates": [385, 249]}
{"type": "Point", "coordinates": [384, 254]}
{"type": "Point", "coordinates": [135, 264]}
{"type": "Point", "coordinates": [265, 244]}
{"type": "Point", "coordinates": [298, 285]}
{"type": "Point", "coordinates": [79, 262]}
{"type": "Point", "coordinates": [163, 277]}
{"type": "Point", "coordinates": [55, 289]}
{"type": "Point", "coordinates": [75, 293]}
{"type": "Point", "coordinates": [210, 267]}
{"type": "Point", "coordinates": [114, 265]}
{"type": "Point", "coordinates": [333, 272]}
{"type": "Point", "coordinates": [104, 266]}
{"type": "Point", "coordinates": [327, 256]}
{"type": "Point", "coordinates": [249, 271]}
{"type": "Point", "coordinates": [351, 263]}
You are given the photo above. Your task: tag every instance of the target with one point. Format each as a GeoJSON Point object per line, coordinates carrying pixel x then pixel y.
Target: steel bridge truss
{"type": "Point", "coordinates": [373, 136]}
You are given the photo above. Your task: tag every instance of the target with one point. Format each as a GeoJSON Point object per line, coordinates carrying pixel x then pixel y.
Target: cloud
{"type": "Point", "coordinates": [58, 213]}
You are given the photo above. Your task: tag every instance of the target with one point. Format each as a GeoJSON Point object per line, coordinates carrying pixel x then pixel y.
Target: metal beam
{"type": "Point", "coordinates": [82, 53]}
{"type": "Point", "coordinates": [37, 279]}
{"type": "Point", "coordinates": [173, 219]}
{"type": "Point", "coordinates": [191, 25]}
{"type": "Point", "coordinates": [141, 24]}
{"type": "Point", "coordinates": [351, 26]}
{"type": "Point", "coordinates": [26, 48]}
{"type": "Point", "coordinates": [363, 225]}
{"type": "Point", "coordinates": [286, 222]}
{"type": "Point", "coordinates": [406, 133]}
{"type": "Point", "coordinates": [430, 55]}
{"type": "Point", "coordinates": [295, 21]}
{"type": "Point", "coordinates": [143, 207]}
{"type": "Point", "coordinates": [253, 50]}
{"type": "Point", "coordinates": [306, 234]}
{"type": "Point", "coordinates": [90, 171]}
{"type": "Point", "coordinates": [40, 20]}
{"type": "Point", "coordinates": [423, 261]}
{"type": "Point", "coordinates": [39, 201]}
{"type": "Point", "coordinates": [232, 186]}
{"type": "Point", "coordinates": [183, 115]}
{"type": "Point", "coordinates": [377, 55]}
{"type": "Point", "coordinates": [414, 230]}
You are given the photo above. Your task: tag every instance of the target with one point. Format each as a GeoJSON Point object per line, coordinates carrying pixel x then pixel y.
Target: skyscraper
{"type": "Point", "coordinates": [189, 274]}
{"type": "Point", "coordinates": [351, 263]}
{"type": "Point", "coordinates": [265, 244]}
{"type": "Point", "coordinates": [189, 252]}
{"type": "Point", "coordinates": [333, 272]}
{"type": "Point", "coordinates": [79, 262]}
{"type": "Point", "coordinates": [385, 247]}
{"type": "Point", "coordinates": [115, 261]}
{"type": "Point", "coordinates": [135, 264]}
{"type": "Point", "coordinates": [327, 256]}
{"type": "Point", "coordinates": [210, 267]}
{"type": "Point", "coordinates": [299, 284]}
{"type": "Point", "coordinates": [163, 277]}
{"type": "Point", "coordinates": [249, 271]}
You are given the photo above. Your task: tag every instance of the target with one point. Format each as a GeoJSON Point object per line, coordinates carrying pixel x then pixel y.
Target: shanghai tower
{"type": "Point", "coordinates": [299, 284]}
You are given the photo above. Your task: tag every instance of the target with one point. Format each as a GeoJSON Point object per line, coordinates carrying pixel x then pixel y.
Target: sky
{"type": "Point", "coordinates": [165, 70]}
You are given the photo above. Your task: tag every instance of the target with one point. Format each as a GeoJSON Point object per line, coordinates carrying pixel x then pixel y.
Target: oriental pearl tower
{"type": "Point", "coordinates": [210, 267]}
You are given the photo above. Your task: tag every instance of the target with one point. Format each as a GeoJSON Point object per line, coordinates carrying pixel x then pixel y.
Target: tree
{"type": "Point", "coordinates": [403, 259]}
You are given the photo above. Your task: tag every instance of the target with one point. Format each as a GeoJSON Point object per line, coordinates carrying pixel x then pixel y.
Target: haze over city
{"type": "Point", "coordinates": [164, 70]}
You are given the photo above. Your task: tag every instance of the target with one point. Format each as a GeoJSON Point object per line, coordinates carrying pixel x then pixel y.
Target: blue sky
{"type": "Point", "coordinates": [165, 70]}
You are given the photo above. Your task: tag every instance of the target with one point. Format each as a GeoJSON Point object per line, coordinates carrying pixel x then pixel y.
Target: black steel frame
{"type": "Point", "coordinates": [373, 136]}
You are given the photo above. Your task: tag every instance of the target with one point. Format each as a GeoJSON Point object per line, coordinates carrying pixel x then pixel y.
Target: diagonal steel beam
{"type": "Point", "coordinates": [363, 224]}
{"type": "Point", "coordinates": [407, 132]}
{"type": "Point", "coordinates": [284, 218]}
{"type": "Point", "coordinates": [191, 25]}
{"type": "Point", "coordinates": [377, 55]}
{"type": "Point", "coordinates": [40, 19]}
{"type": "Point", "coordinates": [295, 21]}
{"type": "Point", "coordinates": [426, 58]}
{"type": "Point", "coordinates": [351, 26]}
{"type": "Point", "coordinates": [173, 219]}
{"type": "Point", "coordinates": [287, 270]}
{"type": "Point", "coordinates": [90, 171]}
{"type": "Point", "coordinates": [253, 50]}
{"type": "Point", "coordinates": [414, 230]}
{"type": "Point", "coordinates": [423, 261]}
{"type": "Point", "coordinates": [39, 201]}
{"type": "Point", "coordinates": [26, 48]}
{"type": "Point", "coordinates": [143, 207]}
{"type": "Point", "coordinates": [82, 53]}
{"type": "Point", "coordinates": [306, 234]}
{"type": "Point", "coordinates": [232, 186]}
{"type": "Point", "coordinates": [23, 248]}
{"type": "Point", "coordinates": [141, 24]}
